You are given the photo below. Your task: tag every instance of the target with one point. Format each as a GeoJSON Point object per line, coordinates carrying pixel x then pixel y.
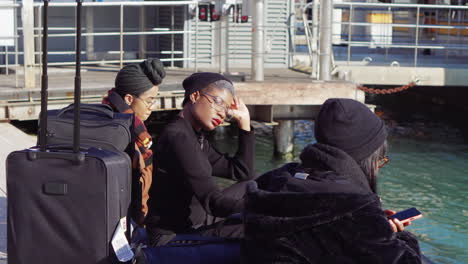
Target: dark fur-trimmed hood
{"type": "Point", "coordinates": [283, 204]}
{"type": "Point", "coordinates": [281, 213]}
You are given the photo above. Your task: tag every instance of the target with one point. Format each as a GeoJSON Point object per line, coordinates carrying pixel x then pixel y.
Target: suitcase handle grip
{"type": "Point", "coordinates": [97, 108]}
{"type": "Point", "coordinates": [75, 158]}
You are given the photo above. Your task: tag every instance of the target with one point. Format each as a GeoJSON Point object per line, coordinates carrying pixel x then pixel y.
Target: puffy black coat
{"type": "Point", "coordinates": [330, 217]}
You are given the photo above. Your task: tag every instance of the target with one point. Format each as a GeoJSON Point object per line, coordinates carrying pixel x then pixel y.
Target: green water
{"type": "Point", "coordinates": [431, 176]}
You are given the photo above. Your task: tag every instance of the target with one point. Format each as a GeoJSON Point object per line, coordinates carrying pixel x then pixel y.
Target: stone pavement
{"type": "Point", "coordinates": [11, 139]}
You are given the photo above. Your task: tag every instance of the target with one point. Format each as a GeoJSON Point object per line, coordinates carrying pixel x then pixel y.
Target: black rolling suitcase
{"type": "Point", "coordinates": [65, 203]}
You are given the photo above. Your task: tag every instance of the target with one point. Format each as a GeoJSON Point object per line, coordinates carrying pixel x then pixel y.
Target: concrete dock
{"type": "Point", "coordinates": [281, 87]}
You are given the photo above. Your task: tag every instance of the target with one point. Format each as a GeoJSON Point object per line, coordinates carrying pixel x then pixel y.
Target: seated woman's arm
{"type": "Point", "coordinates": [239, 167]}
{"type": "Point", "coordinates": [196, 169]}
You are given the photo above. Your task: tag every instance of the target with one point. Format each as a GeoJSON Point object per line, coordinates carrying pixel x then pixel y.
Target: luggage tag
{"type": "Point", "coordinates": [301, 175]}
{"type": "Point", "coordinates": [120, 243]}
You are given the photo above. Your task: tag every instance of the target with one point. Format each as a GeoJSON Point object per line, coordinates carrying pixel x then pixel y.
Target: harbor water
{"type": "Point", "coordinates": [430, 175]}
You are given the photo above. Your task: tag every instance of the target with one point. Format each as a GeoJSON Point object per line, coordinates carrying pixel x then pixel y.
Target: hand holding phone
{"type": "Point", "coordinates": [407, 215]}
{"type": "Point", "coordinates": [399, 220]}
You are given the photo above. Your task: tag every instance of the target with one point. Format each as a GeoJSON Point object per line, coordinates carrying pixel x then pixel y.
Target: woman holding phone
{"type": "Point", "coordinates": [326, 209]}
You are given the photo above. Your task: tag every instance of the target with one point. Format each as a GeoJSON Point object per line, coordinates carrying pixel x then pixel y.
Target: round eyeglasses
{"type": "Point", "coordinates": [148, 102]}
{"type": "Point", "coordinates": [383, 161]}
{"type": "Point", "coordinates": [219, 105]}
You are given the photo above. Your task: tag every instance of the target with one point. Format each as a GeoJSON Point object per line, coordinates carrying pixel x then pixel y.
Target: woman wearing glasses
{"type": "Point", "coordinates": [184, 193]}
{"type": "Point", "coordinates": [326, 209]}
{"type": "Point", "coordinates": [136, 88]}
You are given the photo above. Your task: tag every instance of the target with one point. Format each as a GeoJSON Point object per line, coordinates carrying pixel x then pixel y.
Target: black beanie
{"type": "Point", "coordinates": [199, 80]}
{"type": "Point", "coordinates": [138, 78]}
{"type": "Point", "coordinates": [350, 126]}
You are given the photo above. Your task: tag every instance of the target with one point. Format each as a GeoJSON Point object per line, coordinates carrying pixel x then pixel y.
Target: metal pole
{"type": "Point", "coordinates": [90, 55]}
{"type": "Point", "coordinates": [15, 12]}
{"type": "Point", "coordinates": [219, 47]}
{"type": "Point", "coordinates": [121, 35]}
{"type": "Point", "coordinates": [292, 33]}
{"type": "Point", "coordinates": [39, 38]}
{"type": "Point", "coordinates": [258, 41]}
{"type": "Point", "coordinates": [196, 38]}
{"type": "Point", "coordinates": [315, 34]}
{"type": "Point", "coordinates": [28, 43]}
{"type": "Point", "coordinates": [223, 44]}
{"type": "Point", "coordinates": [325, 44]}
{"type": "Point", "coordinates": [350, 31]}
{"type": "Point", "coordinates": [449, 15]}
{"type": "Point", "coordinates": [417, 38]}
{"type": "Point", "coordinates": [38, 30]}
{"type": "Point", "coordinates": [44, 83]}
{"type": "Point", "coordinates": [142, 38]}
{"type": "Point", "coordinates": [460, 22]}
{"type": "Point", "coordinates": [77, 97]}
{"type": "Point", "coordinates": [6, 60]}
{"type": "Point", "coordinates": [226, 41]}
{"type": "Point", "coordinates": [308, 34]}
{"type": "Point", "coordinates": [390, 21]}
{"type": "Point", "coordinates": [172, 36]}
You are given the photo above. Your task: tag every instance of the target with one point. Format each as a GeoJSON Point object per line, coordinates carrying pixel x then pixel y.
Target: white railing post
{"type": "Point", "coordinates": [90, 55]}
{"type": "Point", "coordinates": [315, 34]}
{"type": "Point", "coordinates": [224, 44]}
{"type": "Point", "coordinates": [142, 45]}
{"type": "Point", "coordinates": [15, 14]}
{"type": "Point", "coordinates": [417, 37]}
{"type": "Point", "coordinates": [258, 41]}
{"type": "Point", "coordinates": [196, 40]}
{"type": "Point", "coordinates": [121, 35]}
{"type": "Point", "coordinates": [325, 44]}
{"type": "Point", "coordinates": [27, 17]}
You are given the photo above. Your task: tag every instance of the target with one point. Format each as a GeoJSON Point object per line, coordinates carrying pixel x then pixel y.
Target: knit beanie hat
{"type": "Point", "coordinates": [136, 79]}
{"type": "Point", "coordinates": [200, 80]}
{"type": "Point", "coordinates": [350, 126]}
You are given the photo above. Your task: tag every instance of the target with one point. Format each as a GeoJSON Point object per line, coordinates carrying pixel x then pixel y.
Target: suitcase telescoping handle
{"type": "Point", "coordinates": [77, 157]}
{"type": "Point", "coordinates": [76, 124]}
{"type": "Point", "coordinates": [44, 82]}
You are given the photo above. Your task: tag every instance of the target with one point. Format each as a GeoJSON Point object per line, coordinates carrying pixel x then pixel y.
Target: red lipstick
{"type": "Point", "coordinates": [216, 121]}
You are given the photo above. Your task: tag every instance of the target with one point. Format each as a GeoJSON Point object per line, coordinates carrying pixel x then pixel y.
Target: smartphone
{"type": "Point", "coordinates": [407, 215]}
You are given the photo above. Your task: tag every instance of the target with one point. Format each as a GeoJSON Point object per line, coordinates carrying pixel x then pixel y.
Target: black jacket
{"type": "Point", "coordinates": [183, 190]}
{"type": "Point", "coordinates": [330, 217]}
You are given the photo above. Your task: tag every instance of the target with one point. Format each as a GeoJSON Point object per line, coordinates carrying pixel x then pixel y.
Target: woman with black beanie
{"type": "Point", "coordinates": [136, 88]}
{"type": "Point", "coordinates": [326, 209]}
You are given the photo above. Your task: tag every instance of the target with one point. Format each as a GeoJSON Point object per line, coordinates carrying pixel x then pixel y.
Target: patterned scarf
{"type": "Point", "coordinates": [143, 138]}
{"type": "Point", "coordinates": [142, 159]}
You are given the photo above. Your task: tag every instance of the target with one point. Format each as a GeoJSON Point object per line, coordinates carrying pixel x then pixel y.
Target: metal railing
{"type": "Point", "coordinates": [393, 34]}
{"type": "Point", "coordinates": [122, 31]}
{"type": "Point", "coordinates": [5, 49]}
